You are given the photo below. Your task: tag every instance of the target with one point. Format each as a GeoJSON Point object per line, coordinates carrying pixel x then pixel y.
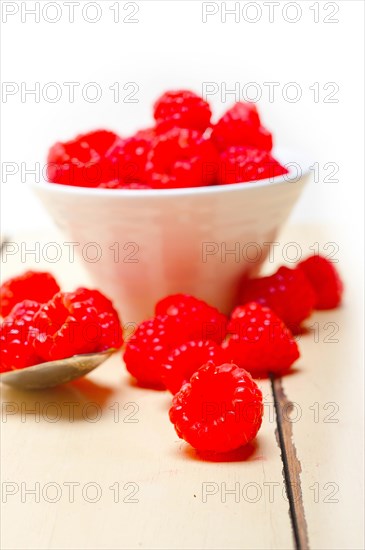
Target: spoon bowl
{"type": "Point", "coordinates": [54, 373]}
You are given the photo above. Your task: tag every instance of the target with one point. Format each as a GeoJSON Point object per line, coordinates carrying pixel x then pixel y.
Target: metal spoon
{"type": "Point", "coordinates": [54, 373]}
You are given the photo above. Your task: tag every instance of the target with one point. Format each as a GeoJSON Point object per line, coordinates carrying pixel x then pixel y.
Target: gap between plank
{"type": "Point", "coordinates": [291, 464]}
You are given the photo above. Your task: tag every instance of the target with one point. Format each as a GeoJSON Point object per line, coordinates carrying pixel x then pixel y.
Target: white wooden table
{"type": "Point", "coordinates": [96, 464]}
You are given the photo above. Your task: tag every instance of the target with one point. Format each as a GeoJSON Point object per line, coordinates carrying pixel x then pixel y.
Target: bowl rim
{"type": "Point", "coordinates": [287, 179]}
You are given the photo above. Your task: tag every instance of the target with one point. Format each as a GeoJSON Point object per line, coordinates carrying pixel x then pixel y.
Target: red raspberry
{"type": "Point", "coordinates": [32, 285]}
{"type": "Point", "coordinates": [16, 332]}
{"type": "Point", "coordinates": [181, 108]}
{"type": "Point", "coordinates": [183, 361]}
{"type": "Point", "coordinates": [182, 158]}
{"type": "Point", "coordinates": [85, 161]}
{"type": "Point", "coordinates": [241, 125]}
{"type": "Point", "coordinates": [326, 282]}
{"type": "Point", "coordinates": [287, 292]}
{"type": "Point", "coordinates": [118, 184]}
{"type": "Point", "coordinates": [240, 164]}
{"type": "Point", "coordinates": [74, 323]}
{"type": "Point", "coordinates": [148, 348]}
{"type": "Point", "coordinates": [219, 410]}
{"type": "Point", "coordinates": [197, 319]}
{"type": "Point", "coordinates": [129, 161]}
{"type": "Point", "coordinates": [260, 342]}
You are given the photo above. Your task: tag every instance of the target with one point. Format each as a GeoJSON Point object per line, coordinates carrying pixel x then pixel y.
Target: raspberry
{"type": "Point", "coordinates": [129, 161]}
{"type": "Point", "coordinates": [181, 158]}
{"type": "Point", "coordinates": [32, 285]}
{"type": "Point", "coordinates": [149, 347]}
{"type": "Point", "coordinates": [85, 161]}
{"type": "Point", "coordinates": [16, 333]}
{"type": "Point", "coordinates": [197, 319]}
{"type": "Point", "coordinates": [241, 125]}
{"type": "Point", "coordinates": [260, 342]}
{"type": "Point", "coordinates": [240, 164]}
{"type": "Point", "coordinates": [183, 361]}
{"type": "Point", "coordinates": [325, 281]}
{"type": "Point", "coordinates": [287, 292]}
{"type": "Point", "coordinates": [119, 184]}
{"type": "Point", "coordinates": [219, 410]}
{"type": "Point", "coordinates": [182, 109]}
{"type": "Point", "coordinates": [74, 323]}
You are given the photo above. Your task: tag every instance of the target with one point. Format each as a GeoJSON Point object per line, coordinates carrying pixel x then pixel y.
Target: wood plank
{"type": "Point", "coordinates": [168, 496]}
{"type": "Point", "coordinates": [327, 418]}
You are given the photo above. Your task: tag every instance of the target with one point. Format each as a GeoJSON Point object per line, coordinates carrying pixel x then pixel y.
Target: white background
{"type": "Point", "coordinates": [171, 47]}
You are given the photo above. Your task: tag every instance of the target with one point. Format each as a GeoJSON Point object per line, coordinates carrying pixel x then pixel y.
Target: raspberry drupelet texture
{"type": "Point", "coordinates": [148, 348]}
{"type": "Point", "coordinates": [74, 323]}
{"type": "Point", "coordinates": [183, 109]}
{"type": "Point", "coordinates": [219, 410]}
{"type": "Point", "coordinates": [31, 285]}
{"type": "Point", "coordinates": [240, 164]}
{"type": "Point", "coordinates": [183, 361]}
{"type": "Point", "coordinates": [16, 334]}
{"type": "Point", "coordinates": [260, 342]}
{"type": "Point", "coordinates": [241, 125]}
{"type": "Point", "coordinates": [325, 281]}
{"type": "Point", "coordinates": [86, 161]}
{"type": "Point", "coordinates": [182, 158]}
{"type": "Point", "coordinates": [287, 292]}
{"type": "Point", "coordinates": [197, 319]}
{"type": "Point", "coordinates": [128, 160]}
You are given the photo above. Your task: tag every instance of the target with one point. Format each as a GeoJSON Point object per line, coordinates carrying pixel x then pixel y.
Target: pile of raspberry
{"type": "Point", "coordinates": [205, 359]}
{"type": "Point", "coordinates": [209, 362]}
{"type": "Point", "coordinates": [184, 148]}
{"type": "Point", "coordinates": [40, 323]}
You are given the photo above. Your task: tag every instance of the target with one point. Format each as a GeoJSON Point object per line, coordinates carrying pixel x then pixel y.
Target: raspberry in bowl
{"type": "Point", "coordinates": [188, 205]}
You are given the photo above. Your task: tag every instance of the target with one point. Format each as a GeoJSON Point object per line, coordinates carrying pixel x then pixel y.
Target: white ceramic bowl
{"type": "Point", "coordinates": [157, 242]}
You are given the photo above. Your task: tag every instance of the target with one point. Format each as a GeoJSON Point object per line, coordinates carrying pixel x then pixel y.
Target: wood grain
{"type": "Point", "coordinates": [291, 465]}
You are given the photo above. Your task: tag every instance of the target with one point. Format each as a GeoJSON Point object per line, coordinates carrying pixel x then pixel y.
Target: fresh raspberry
{"type": "Point", "coordinates": [183, 109]}
{"type": "Point", "coordinates": [119, 184]}
{"type": "Point", "coordinates": [183, 361]}
{"type": "Point", "coordinates": [242, 164]}
{"type": "Point", "coordinates": [148, 348]}
{"type": "Point", "coordinates": [85, 161]}
{"type": "Point", "coordinates": [32, 285]}
{"type": "Point", "coordinates": [219, 410]}
{"type": "Point", "coordinates": [74, 323]}
{"type": "Point", "coordinates": [325, 281]}
{"type": "Point", "coordinates": [260, 342]}
{"type": "Point", "coordinates": [129, 160]}
{"type": "Point", "coordinates": [182, 158]}
{"type": "Point", "coordinates": [16, 332]}
{"type": "Point", "coordinates": [241, 125]}
{"type": "Point", "coordinates": [197, 319]}
{"type": "Point", "coordinates": [287, 292]}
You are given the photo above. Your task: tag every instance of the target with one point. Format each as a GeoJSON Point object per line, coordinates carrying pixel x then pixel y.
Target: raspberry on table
{"type": "Point", "coordinates": [219, 410]}
{"type": "Point", "coordinates": [260, 342]}
{"type": "Point", "coordinates": [16, 332]}
{"type": "Point", "coordinates": [148, 348]}
{"type": "Point", "coordinates": [31, 285]}
{"type": "Point", "coordinates": [197, 319]}
{"type": "Point", "coordinates": [75, 323]}
{"type": "Point", "coordinates": [241, 125]}
{"type": "Point", "coordinates": [186, 359]}
{"type": "Point", "coordinates": [325, 280]}
{"type": "Point", "coordinates": [85, 161]}
{"type": "Point", "coordinates": [287, 292]}
{"type": "Point", "coordinates": [241, 164]}
{"type": "Point", "coordinates": [183, 109]}
{"type": "Point", "coordinates": [181, 158]}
